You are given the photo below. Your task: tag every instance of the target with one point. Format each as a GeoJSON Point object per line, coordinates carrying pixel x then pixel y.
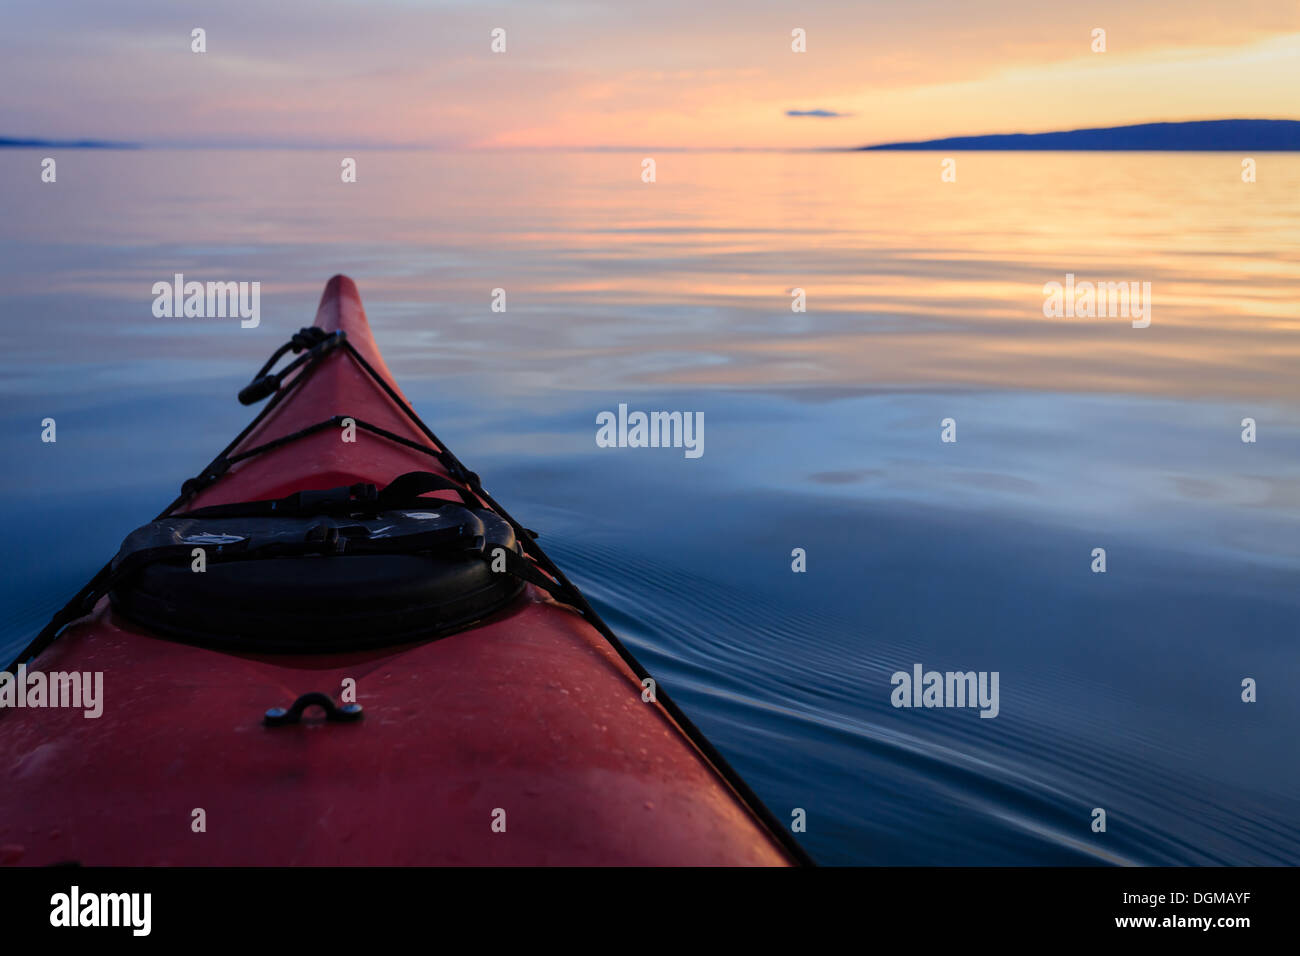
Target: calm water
{"type": "Point", "coordinates": [1119, 691]}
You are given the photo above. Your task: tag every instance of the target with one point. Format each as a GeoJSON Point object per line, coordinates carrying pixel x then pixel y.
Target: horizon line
{"type": "Point", "coordinates": [923, 145]}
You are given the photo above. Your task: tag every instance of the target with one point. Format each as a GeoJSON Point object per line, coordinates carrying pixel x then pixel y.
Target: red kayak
{"type": "Point", "coordinates": [335, 648]}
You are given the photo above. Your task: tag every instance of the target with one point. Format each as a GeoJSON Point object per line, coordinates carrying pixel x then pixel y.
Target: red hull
{"type": "Point", "coordinates": [531, 712]}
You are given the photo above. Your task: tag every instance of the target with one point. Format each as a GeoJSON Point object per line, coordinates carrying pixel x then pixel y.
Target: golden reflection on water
{"type": "Point", "coordinates": [910, 281]}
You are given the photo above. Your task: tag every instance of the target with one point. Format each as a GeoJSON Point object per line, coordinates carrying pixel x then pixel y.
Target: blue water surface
{"type": "Point", "coordinates": [1119, 691]}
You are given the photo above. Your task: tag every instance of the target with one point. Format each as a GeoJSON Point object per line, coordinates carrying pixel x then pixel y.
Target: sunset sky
{"type": "Point", "coordinates": [659, 73]}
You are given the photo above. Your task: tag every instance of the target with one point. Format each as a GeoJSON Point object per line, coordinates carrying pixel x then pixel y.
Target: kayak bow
{"type": "Point", "coordinates": [496, 719]}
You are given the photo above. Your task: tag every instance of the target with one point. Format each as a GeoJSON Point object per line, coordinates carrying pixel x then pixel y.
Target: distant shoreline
{"type": "Point", "coordinates": [14, 143]}
{"type": "Point", "coordinates": [1202, 136]}
{"type": "Point", "coordinates": [1240, 135]}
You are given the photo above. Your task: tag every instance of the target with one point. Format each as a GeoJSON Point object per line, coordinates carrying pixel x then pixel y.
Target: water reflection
{"type": "Point", "coordinates": [924, 302]}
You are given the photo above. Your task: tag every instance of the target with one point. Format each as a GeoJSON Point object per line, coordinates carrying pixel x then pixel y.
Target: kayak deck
{"type": "Point", "coordinates": [531, 712]}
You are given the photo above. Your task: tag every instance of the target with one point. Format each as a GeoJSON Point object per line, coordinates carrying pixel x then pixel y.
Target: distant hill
{"type": "Point", "coordinates": [11, 143]}
{"type": "Point", "coordinates": [1238, 135]}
